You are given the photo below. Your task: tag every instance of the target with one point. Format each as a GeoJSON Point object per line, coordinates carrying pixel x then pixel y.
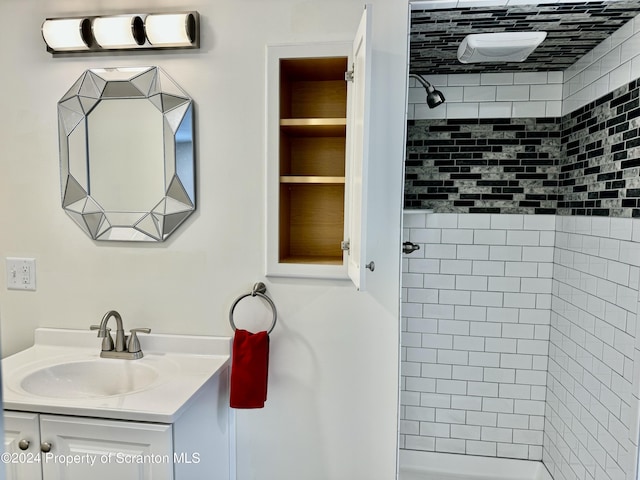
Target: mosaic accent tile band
{"type": "Point", "coordinates": [483, 165]}
{"type": "Point", "coordinates": [585, 163]}
{"type": "Point", "coordinates": [601, 156]}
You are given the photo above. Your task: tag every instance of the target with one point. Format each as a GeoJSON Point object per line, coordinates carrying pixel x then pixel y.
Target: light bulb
{"type": "Point", "coordinates": [123, 31]}
{"type": "Point", "coordinates": [171, 29]}
{"type": "Point", "coordinates": [67, 34]}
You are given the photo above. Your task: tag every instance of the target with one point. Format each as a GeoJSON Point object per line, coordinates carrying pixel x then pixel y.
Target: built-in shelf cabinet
{"type": "Point", "coordinates": [309, 164]}
{"type": "Point", "coordinates": [313, 120]}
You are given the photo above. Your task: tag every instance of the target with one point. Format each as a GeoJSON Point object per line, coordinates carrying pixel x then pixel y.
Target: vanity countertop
{"type": "Point", "coordinates": [181, 366]}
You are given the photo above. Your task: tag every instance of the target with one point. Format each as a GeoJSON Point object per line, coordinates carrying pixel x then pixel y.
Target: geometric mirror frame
{"type": "Point", "coordinates": [127, 163]}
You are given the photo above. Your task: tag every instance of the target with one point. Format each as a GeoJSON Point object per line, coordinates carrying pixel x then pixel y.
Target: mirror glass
{"type": "Point", "coordinates": [127, 154]}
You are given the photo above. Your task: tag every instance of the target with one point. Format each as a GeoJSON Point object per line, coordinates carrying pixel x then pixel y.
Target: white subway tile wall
{"type": "Point", "coordinates": [490, 95]}
{"type": "Point", "coordinates": [476, 312]}
{"type": "Point", "coordinates": [531, 354]}
{"type": "Point", "coordinates": [615, 62]}
{"type": "Point", "coordinates": [591, 421]}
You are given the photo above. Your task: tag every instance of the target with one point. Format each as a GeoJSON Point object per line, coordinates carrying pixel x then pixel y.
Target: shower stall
{"type": "Point", "coordinates": [521, 277]}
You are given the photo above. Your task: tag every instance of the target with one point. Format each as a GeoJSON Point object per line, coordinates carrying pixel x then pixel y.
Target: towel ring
{"type": "Point", "coordinates": [259, 290]}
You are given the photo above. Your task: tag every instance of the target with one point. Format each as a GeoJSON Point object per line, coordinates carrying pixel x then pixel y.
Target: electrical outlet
{"type": "Point", "coordinates": [21, 273]}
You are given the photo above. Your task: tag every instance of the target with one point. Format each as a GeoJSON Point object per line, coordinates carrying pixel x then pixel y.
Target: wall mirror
{"type": "Point", "coordinates": [127, 154]}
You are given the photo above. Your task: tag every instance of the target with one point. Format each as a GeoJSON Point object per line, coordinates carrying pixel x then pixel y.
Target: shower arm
{"type": "Point", "coordinates": [424, 83]}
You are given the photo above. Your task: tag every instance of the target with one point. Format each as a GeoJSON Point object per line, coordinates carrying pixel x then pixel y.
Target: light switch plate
{"type": "Point", "coordinates": [21, 273]}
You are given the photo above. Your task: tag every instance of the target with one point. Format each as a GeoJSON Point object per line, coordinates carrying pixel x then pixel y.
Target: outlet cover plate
{"type": "Point", "coordinates": [21, 273]}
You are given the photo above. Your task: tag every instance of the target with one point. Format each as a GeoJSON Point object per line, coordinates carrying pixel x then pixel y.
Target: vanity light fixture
{"type": "Point", "coordinates": [124, 32]}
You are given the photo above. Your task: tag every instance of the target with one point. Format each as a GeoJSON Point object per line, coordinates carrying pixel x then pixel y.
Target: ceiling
{"type": "Point", "coordinates": [573, 29]}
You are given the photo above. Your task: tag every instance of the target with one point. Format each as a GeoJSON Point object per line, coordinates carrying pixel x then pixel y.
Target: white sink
{"type": "Point", "coordinates": [63, 373]}
{"type": "Point", "coordinates": [93, 378]}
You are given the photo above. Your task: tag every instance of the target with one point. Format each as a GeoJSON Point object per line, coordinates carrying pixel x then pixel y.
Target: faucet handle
{"type": "Point", "coordinates": [107, 340]}
{"type": "Point", "coordinates": [134, 343]}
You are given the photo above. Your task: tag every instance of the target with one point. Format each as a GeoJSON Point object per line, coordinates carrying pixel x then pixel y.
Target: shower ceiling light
{"type": "Point", "coordinates": [142, 31]}
{"type": "Point", "coordinates": [499, 46]}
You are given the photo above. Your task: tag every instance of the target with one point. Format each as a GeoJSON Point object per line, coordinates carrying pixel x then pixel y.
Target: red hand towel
{"type": "Point", "coordinates": [249, 369]}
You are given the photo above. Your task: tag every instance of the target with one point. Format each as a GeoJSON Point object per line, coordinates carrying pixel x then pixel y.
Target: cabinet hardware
{"type": "Point", "coordinates": [349, 76]}
{"type": "Point", "coordinates": [371, 266]}
{"type": "Point", "coordinates": [23, 444]}
{"type": "Point", "coordinates": [345, 245]}
{"type": "Point", "coordinates": [45, 447]}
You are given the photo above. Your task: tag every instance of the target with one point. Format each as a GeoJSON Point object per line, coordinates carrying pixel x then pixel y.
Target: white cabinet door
{"type": "Point", "coordinates": [357, 148]}
{"type": "Point", "coordinates": [22, 461]}
{"type": "Point", "coordinates": [87, 448]}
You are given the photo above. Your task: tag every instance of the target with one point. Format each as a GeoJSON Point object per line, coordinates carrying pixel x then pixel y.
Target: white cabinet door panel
{"type": "Point", "coordinates": [358, 151]}
{"type": "Point", "coordinates": [22, 464]}
{"type": "Point", "coordinates": [86, 448]}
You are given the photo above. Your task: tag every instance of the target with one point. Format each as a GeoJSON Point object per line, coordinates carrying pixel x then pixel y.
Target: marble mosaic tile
{"type": "Point", "coordinates": [483, 166]}
{"type": "Point", "coordinates": [601, 156]}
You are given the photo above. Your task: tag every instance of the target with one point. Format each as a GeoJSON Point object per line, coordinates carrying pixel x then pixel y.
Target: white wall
{"type": "Point", "coordinates": [331, 411]}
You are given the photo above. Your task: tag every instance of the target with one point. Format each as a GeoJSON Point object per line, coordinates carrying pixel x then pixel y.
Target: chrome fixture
{"type": "Point", "coordinates": [102, 329]}
{"type": "Point", "coordinates": [434, 97]}
{"type": "Point", "coordinates": [93, 34]}
{"type": "Point", "coordinates": [409, 247]}
{"type": "Point", "coordinates": [132, 351]}
{"type": "Point", "coordinates": [259, 290]}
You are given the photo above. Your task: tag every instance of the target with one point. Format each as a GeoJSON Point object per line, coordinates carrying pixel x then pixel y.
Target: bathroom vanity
{"type": "Point", "coordinates": [70, 414]}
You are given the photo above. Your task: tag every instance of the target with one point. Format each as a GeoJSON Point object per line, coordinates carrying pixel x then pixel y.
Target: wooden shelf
{"type": "Point", "coordinates": [309, 122]}
{"type": "Point", "coordinates": [311, 179]}
{"type": "Point", "coordinates": [313, 260]}
{"type": "Point", "coordinates": [314, 127]}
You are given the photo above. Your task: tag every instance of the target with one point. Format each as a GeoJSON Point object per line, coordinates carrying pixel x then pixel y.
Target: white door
{"type": "Point", "coordinates": [357, 148]}
{"type": "Point", "coordinates": [22, 446]}
{"type": "Point", "coordinates": [87, 448]}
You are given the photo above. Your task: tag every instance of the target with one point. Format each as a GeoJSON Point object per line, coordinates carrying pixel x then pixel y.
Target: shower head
{"type": "Point", "coordinates": [434, 97]}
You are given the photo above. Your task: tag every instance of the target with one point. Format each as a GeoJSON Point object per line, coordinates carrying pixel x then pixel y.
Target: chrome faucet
{"type": "Point", "coordinates": [120, 337]}
{"type": "Point", "coordinates": [121, 349]}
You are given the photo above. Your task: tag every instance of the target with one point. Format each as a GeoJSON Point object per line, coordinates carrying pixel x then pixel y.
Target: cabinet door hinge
{"type": "Point", "coordinates": [349, 75]}
{"type": "Point", "coordinates": [345, 245]}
